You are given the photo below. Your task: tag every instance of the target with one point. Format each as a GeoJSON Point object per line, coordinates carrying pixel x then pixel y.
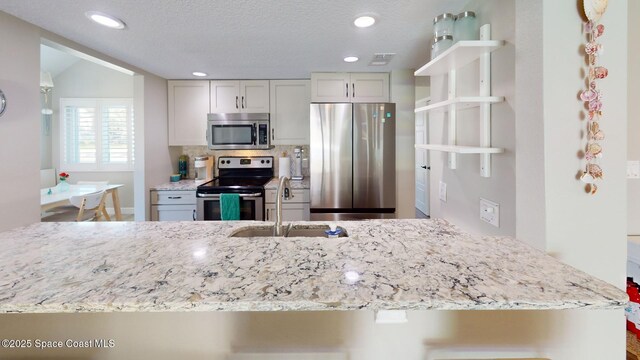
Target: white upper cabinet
{"type": "Point", "coordinates": [330, 87]}
{"type": "Point", "coordinates": [254, 96]}
{"type": "Point", "coordinates": [188, 108]}
{"type": "Point", "coordinates": [369, 87]}
{"type": "Point", "coordinates": [350, 87]}
{"type": "Point", "coordinates": [290, 100]}
{"type": "Point", "coordinates": [245, 96]}
{"type": "Point", "coordinates": [225, 96]}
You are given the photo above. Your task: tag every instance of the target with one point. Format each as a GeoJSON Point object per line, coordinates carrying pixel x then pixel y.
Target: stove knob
{"type": "Point", "coordinates": [228, 162]}
{"type": "Point", "coordinates": [262, 161]}
{"type": "Point", "coordinates": [268, 161]}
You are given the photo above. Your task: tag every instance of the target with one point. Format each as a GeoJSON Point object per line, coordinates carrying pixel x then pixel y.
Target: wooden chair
{"type": "Point", "coordinates": [88, 207]}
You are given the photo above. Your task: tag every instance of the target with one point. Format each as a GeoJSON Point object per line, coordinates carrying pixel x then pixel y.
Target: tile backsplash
{"type": "Point", "coordinates": [276, 152]}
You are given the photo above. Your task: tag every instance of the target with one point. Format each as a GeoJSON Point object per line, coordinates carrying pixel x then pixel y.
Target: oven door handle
{"type": "Point", "coordinates": [217, 196]}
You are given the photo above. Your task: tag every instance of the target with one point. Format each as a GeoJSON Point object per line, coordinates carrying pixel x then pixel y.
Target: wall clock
{"type": "Point", "coordinates": [3, 103]}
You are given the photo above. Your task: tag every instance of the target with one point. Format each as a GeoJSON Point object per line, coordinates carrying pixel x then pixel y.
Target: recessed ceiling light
{"type": "Point", "coordinates": [364, 21]}
{"type": "Point", "coordinates": [105, 20]}
{"type": "Point", "coordinates": [351, 59]}
{"type": "Point", "coordinates": [199, 73]}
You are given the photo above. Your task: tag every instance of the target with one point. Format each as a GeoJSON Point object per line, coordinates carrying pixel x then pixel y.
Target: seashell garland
{"type": "Point", "coordinates": [593, 96]}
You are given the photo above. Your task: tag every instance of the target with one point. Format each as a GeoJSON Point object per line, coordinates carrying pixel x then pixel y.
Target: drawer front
{"type": "Point", "coordinates": [173, 213]}
{"type": "Point", "coordinates": [173, 197]}
{"type": "Point", "coordinates": [299, 196]}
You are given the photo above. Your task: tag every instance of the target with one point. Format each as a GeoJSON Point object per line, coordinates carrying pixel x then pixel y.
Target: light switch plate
{"type": "Point", "coordinates": [490, 212]}
{"type": "Point", "coordinates": [633, 169]}
{"type": "Point", "coordinates": [443, 191]}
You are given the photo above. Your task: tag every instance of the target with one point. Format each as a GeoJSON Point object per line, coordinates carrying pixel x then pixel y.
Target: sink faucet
{"type": "Point", "coordinates": [284, 191]}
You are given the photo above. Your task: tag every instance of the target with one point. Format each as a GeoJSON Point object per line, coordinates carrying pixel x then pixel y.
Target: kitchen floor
{"type": "Point", "coordinates": [633, 346]}
{"type": "Point", "coordinates": [421, 215]}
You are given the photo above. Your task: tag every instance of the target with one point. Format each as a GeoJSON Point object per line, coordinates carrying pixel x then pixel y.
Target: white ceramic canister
{"type": "Point", "coordinates": [441, 44]}
{"type": "Point", "coordinates": [443, 24]}
{"type": "Point", "coordinates": [466, 27]}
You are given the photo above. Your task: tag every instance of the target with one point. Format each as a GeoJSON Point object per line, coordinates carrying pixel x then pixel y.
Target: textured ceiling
{"type": "Point", "coordinates": [251, 39]}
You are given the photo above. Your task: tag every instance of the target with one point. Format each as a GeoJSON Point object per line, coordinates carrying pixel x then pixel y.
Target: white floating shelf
{"type": "Point", "coordinates": [456, 149]}
{"type": "Point", "coordinates": [463, 102]}
{"type": "Point", "coordinates": [457, 56]}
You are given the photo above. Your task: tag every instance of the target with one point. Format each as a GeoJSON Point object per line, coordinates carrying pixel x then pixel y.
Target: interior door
{"type": "Point", "coordinates": [422, 161]}
{"type": "Point", "coordinates": [331, 156]}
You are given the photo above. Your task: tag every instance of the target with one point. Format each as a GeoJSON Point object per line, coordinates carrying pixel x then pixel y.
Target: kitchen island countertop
{"type": "Point", "coordinates": [195, 266]}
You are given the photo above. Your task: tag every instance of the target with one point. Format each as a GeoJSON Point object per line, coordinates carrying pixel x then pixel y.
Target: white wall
{"type": "Point", "coordinates": [633, 133]}
{"type": "Point", "coordinates": [554, 212]}
{"type": "Point", "coordinates": [403, 94]}
{"type": "Point", "coordinates": [465, 186]}
{"type": "Point", "coordinates": [85, 79]}
{"type": "Point", "coordinates": [20, 124]}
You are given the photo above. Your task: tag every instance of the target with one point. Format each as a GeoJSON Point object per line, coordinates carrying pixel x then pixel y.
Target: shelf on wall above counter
{"type": "Point", "coordinates": [457, 149]}
{"type": "Point", "coordinates": [461, 102]}
{"type": "Point", "coordinates": [458, 55]}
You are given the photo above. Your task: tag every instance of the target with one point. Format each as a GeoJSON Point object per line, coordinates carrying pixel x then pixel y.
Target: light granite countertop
{"type": "Point", "coordinates": [295, 184]}
{"type": "Point", "coordinates": [192, 185]}
{"type": "Point", "coordinates": [182, 185]}
{"type": "Point", "coordinates": [195, 266]}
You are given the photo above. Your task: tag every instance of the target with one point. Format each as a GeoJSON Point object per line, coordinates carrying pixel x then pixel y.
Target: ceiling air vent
{"type": "Point", "coordinates": [381, 59]}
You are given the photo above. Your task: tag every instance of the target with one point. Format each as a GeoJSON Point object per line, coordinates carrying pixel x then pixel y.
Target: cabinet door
{"type": "Point", "coordinates": [225, 96]}
{"type": "Point", "coordinates": [188, 107]}
{"type": "Point", "coordinates": [254, 96]}
{"type": "Point", "coordinates": [173, 212]}
{"type": "Point", "coordinates": [290, 100]}
{"type": "Point", "coordinates": [330, 87]}
{"type": "Point", "coordinates": [290, 212]}
{"type": "Point", "coordinates": [369, 87]}
{"type": "Point", "coordinates": [270, 211]}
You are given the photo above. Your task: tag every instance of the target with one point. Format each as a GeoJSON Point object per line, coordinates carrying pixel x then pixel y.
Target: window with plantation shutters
{"type": "Point", "coordinates": [96, 134]}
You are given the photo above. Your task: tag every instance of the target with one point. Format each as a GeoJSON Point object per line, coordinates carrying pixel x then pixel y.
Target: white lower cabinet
{"type": "Point", "coordinates": [169, 205]}
{"type": "Point", "coordinates": [296, 208]}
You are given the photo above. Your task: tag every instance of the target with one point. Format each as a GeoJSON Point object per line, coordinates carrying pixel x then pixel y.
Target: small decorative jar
{"type": "Point", "coordinates": [443, 25]}
{"type": "Point", "coordinates": [466, 27]}
{"type": "Point", "coordinates": [441, 44]}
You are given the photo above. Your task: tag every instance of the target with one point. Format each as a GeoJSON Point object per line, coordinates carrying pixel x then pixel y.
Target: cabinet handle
{"type": "Point", "coordinates": [236, 102]}
{"type": "Point", "coordinates": [353, 89]}
{"type": "Point", "coordinates": [267, 214]}
{"type": "Point", "coordinates": [273, 136]}
{"type": "Point", "coordinates": [243, 102]}
{"type": "Point", "coordinates": [426, 167]}
{"type": "Point", "coordinates": [175, 197]}
{"type": "Point", "coordinates": [194, 215]}
{"type": "Point", "coordinates": [347, 92]}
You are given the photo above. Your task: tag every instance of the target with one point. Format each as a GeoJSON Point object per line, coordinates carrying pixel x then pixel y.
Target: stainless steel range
{"type": "Point", "coordinates": [246, 176]}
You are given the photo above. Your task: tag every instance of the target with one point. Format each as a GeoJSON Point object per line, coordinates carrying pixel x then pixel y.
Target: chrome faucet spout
{"type": "Point", "coordinates": [284, 191]}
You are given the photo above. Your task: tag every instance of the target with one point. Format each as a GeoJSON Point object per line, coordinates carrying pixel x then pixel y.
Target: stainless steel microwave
{"type": "Point", "coordinates": [238, 131]}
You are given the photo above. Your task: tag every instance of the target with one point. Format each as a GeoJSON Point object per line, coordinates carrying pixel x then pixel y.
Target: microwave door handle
{"type": "Point", "coordinates": [254, 134]}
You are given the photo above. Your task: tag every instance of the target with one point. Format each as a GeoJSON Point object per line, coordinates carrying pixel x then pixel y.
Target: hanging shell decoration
{"type": "Point", "coordinates": [593, 96]}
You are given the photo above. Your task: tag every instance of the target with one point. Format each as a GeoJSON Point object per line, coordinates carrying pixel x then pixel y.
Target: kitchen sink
{"type": "Point", "coordinates": [287, 231]}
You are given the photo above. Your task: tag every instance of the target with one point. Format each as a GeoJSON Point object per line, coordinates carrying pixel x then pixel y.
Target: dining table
{"type": "Point", "coordinates": [56, 196]}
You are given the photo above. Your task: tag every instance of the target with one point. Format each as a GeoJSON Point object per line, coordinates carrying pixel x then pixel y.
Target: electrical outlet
{"type": "Point", "coordinates": [490, 212]}
{"type": "Point", "coordinates": [443, 191]}
{"type": "Point", "coordinates": [633, 169]}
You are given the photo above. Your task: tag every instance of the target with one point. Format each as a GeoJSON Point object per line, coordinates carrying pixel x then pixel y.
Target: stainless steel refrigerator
{"type": "Point", "coordinates": [353, 161]}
